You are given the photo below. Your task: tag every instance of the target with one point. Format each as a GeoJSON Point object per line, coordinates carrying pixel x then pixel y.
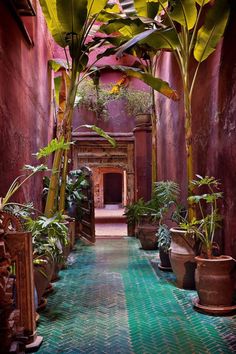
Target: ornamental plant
{"type": "Point", "coordinates": [205, 198]}
{"type": "Point", "coordinates": [190, 29]}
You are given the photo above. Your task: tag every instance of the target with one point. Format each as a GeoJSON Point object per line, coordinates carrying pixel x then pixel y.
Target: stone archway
{"type": "Point", "coordinates": [100, 174]}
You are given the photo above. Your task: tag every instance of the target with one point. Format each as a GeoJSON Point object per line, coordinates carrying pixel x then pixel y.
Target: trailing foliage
{"type": "Point", "coordinates": [97, 99]}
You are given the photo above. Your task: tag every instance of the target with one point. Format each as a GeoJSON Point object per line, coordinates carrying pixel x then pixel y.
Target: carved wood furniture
{"type": "Point", "coordinates": [17, 307]}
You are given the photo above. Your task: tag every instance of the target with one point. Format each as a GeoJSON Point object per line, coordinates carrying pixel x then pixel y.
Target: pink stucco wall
{"type": "Point", "coordinates": [214, 127]}
{"type": "Point", "coordinates": [25, 81]}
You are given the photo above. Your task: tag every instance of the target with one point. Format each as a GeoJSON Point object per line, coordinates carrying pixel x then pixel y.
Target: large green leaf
{"type": "Point", "coordinates": [95, 6]}
{"type": "Point", "coordinates": [157, 84]}
{"type": "Point", "coordinates": [146, 8]}
{"type": "Point", "coordinates": [162, 39]}
{"type": "Point", "coordinates": [184, 12]}
{"type": "Point", "coordinates": [53, 146]}
{"type": "Point", "coordinates": [126, 26]}
{"type": "Point", "coordinates": [72, 14]}
{"type": "Point", "coordinates": [101, 133]}
{"type": "Point", "coordinates": [57, 85]}
{"type": "Point", "coordinates": [202, 2]}
{"type": "Point", "coordinates": [213, 29]}
{"type": "Point", "coordinates": [49, 8]}
{"type": "Point", "coordinates": [132, 42]}
{"type": "Point", "coordinates": [57, 64]}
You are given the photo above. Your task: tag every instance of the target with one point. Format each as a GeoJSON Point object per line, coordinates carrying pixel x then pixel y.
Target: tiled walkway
{"type": "Point", "coordinates": [113, 299]}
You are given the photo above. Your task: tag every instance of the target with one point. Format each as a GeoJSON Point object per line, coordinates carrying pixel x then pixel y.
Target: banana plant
{"type": "Point", "coordinates": [188, 28]}
{"type": "Point", "coordinates": [71, 24]}
{"type": "Point", "coordinates": [137, 16]}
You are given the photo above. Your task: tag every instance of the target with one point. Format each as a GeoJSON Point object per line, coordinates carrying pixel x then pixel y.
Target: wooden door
{"type": "Point", "coordinates": [88, 218]}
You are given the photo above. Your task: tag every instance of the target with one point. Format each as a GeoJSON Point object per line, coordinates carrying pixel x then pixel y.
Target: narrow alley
{"type": "Point", "coordinates": [112, 298]}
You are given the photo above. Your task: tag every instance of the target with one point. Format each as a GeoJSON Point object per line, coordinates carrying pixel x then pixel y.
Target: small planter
{"type": "Point", "coordinates": [131, 230]}
{"type": "Point", "coordinates": [42, 277]}
{"type": "Point", "coordinates": [214, 284]}
{"type": "Point", "coordinates": [142, 120]}
{"type": "Point", "coordinates": [182, 258]}
{"type": "Point", "coordinates": [164, 260]}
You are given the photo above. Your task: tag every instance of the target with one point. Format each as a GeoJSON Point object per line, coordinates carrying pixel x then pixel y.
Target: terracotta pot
{"type": "Point", "coordinates": [147, 236]}
{"type": "Point", "coordinates": [42, 277]}
{"type": "Point", "coordinates": [72, 233]}
{"type": "Point", "coordinates": [182, 258]}
{"type": "Point", "coordinates": [142, 119]}
{"type": "Point", "coordinates": [131, 230]}
{"type": "Point", "coordinates": [165, 260]}
{"type": "Point", "coordinates": [56, 269]}
{"type": "Point", "coordinates": [214, 281]}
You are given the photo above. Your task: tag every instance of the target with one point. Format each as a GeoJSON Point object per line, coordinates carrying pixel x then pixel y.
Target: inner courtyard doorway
{"type": "Point", "coordinates": [112, 187]}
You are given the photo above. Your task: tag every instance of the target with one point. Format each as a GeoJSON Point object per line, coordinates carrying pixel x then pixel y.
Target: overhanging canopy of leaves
{"type": "Point", "coordinates": [69, 16]}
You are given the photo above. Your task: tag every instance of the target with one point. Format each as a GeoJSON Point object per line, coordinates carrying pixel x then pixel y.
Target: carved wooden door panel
{"type": "Point", "coordinates": [88, 218]}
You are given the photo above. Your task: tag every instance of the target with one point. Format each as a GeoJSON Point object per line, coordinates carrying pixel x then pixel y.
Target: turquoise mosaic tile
{"type": "Point", "coordinates": [112, 299]}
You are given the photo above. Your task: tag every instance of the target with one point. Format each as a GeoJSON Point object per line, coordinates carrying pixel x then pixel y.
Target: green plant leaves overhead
{"type": "Point", "coordinates": [71, 14]}
{"type": "Point", "coordinates": [146, 8]}
{"type": "Point", "coordinates": [213, 29]}
{"type": "Point", "coordinates": [184, 12]}
{"type": "Point", "coordinates": [57, 64]}
{"type": "Point", "coordinates": [49, 8]}
{"type": "Point", "coordinates": [202, 2]}
{"type": "Point", "coordinates": [95, 6]}
{"type": "Point", "coordinates": [157, 84]}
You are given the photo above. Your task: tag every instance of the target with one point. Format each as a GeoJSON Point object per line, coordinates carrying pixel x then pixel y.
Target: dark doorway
{"type": "Point", "coordinates": [112, 186]}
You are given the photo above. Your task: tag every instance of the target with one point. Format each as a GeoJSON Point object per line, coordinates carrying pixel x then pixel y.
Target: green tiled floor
{"type": "Point", "coordinates": [114, 299]}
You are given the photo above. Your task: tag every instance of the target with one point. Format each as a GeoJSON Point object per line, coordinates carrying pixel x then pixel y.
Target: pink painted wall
{"type": "Point", "coordinates": [214, 127]}
{"type": "Point", "coordinates": [25, 82]}
{"type": "Point", "coordinates": [118, 120]}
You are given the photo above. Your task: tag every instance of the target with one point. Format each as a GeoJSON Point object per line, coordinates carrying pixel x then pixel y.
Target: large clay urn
{"type": "Point", "coordinates": [214, 281]}
{"type": "Point", "coordinates": [182, 257]}
{"type": "Point", "coordinates": [147, 230]}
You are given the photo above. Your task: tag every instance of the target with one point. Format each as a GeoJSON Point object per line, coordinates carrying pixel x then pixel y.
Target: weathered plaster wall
{"type": "Point", "coordinates": [25, 82]}
{"type": "Point", "coordinates": [117, 119]}
{"type": "Point", "coordinates": [214, 127]}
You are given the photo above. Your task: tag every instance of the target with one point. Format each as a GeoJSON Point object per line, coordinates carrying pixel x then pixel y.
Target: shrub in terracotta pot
{"type": "Point", "coordinates": [164, 240]}
{"type": "Point", "coordinates": [152, 213]}
{"type": "Point", "coordinates": [49, 236]}
{"type": "Point", "coordinates": [214, 272]}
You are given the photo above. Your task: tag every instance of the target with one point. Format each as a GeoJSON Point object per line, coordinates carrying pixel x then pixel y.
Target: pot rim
{"type": "Point", "coordinates": [178, 229]}
{"type": "Point", "coordinates": [222, 258]}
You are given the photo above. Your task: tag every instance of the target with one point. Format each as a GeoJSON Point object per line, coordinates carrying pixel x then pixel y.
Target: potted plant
{"type": "Point", "coordinates": [214, 282]}
{"type": "Point", "coordinates": [184, 248]}
{"type": "Point", "coordinates": [153, 212]}
{"type": "Point", "coordinates": [132, 213]}
{"type": "Point", "coordinates": [139, 105]}
{"type": "Point", "coordinates": [164, 240]}
{"type": "Point", "coordinates": [49, 236]}
{"type": "Point", "coordinates": [75, 183]}
{"type": "Point", "coordinates": [167, 192]}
